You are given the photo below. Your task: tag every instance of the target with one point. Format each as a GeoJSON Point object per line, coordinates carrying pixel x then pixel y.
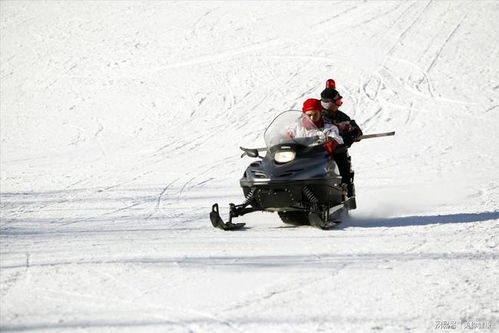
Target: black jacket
{"type": "Point", "coordinates": [336, 116]}
{"type": "Point", "coordinates": [339, 117]}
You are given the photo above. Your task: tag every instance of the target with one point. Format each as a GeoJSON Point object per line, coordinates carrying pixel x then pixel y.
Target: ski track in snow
{"type": "Point", "coordinates": [117, 138]}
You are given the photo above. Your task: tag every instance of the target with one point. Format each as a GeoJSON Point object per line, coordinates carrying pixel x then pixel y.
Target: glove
{"type": "Point", "coordinates": [330, 145]}
{"type": "Point", "coordinates": [348, 139]}
{"type": "Point", "coordinates": [352, 136]}
{"type": "Point", "coordinates": [344, 127]}
{"type": "Point", "coordinates": [356, 134]}
{"type": "Point", "coordinates": [356, 129]}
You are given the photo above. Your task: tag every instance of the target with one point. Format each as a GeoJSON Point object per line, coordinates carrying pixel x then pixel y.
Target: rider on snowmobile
{"type": "Point", "coordinates": [335, 144]}
{"type": "Point", "coordinates": [313, 109]}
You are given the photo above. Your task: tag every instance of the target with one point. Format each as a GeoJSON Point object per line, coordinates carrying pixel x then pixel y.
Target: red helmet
{"type": "Point", "coordinates": [331, 84]}
{"type": "Point", "coordinates": [311, 104]}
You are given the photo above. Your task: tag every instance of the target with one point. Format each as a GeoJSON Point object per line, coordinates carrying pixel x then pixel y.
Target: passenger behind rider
{"type": "Point", "coordinates": [336, 124]}
{"type": "Point", "coordinates": [331, 100]}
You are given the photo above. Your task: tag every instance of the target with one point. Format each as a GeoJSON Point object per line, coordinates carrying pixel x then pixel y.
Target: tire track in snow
{"type": "Point", "coordinates": [179, 196]}
{"type": "Point", "coordinates": [283, 289]}
{"type": "Point", "coordinates": [160, 196]}
{"type": "Point", "coordinates": [409, 114]}
{"type": "Point", "coordinates": [406, 86]}
{"type": "Point", "coordinates": [364, 84]}
{"type": "Point", "coordinates": [103, 214]}
{"type": "Point", "coordinates": [9, 281]}
{"type": "Point", "coordinates": [378, 16]}
{"type": "Point", "coordinates": [134, 291]}
{"type": "Point", "coordinates": [340, 14]}
{"type": "Point", "coordinates": [139, 294]}
{"type": "Point", "coordinates": [13, 279]}
{"type": "Point", "coordinates": [409, 27]}
{"type": "Point", "coordinates": [431, 94]}
{"type": "Point", "coordinates": [216, 57]}
{"type": "Point", "coordinates": [449, 37]}
{"type": "Point", "coordinates": [373, 117]}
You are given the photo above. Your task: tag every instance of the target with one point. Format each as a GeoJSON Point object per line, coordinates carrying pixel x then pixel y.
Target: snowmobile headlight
{"type": "Point", "coordinates": [284, 156]}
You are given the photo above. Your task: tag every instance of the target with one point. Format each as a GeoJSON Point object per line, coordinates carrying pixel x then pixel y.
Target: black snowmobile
{"type": "Point", "coordinates": [296, 178]}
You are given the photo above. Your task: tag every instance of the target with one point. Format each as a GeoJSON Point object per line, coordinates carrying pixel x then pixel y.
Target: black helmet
{"type": "Point", "coordinates": [330, 93]}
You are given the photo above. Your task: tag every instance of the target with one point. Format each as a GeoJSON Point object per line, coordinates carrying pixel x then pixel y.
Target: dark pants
{"type": "Point", "coordinates": [343, 161]}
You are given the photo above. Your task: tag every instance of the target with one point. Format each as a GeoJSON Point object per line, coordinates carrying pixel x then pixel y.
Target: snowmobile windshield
{"type": "Point", "coordinates": [293, 127]}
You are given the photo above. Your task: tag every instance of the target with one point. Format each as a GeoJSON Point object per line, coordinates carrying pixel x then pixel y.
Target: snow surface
{"type": "Point", "coordinates": [120, 127]}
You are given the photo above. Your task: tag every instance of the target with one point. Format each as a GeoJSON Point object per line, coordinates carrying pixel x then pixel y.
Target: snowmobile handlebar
{"type": "Point", "coordinates": [254, 152]}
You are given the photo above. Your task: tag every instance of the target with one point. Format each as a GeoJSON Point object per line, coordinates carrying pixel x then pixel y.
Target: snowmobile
{"type": "Point", "coordinates": [296, 178]}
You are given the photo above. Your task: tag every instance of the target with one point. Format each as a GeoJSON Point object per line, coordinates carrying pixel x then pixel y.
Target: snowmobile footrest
{"type": "Point", "coordinates": [217, 221]}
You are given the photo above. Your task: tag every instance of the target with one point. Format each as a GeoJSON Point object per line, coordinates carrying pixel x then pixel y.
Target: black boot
{"type": "Point", "coordinates": [350, 190]}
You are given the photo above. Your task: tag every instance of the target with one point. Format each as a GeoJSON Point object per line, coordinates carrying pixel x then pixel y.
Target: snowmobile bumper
{"type": "Point", "coordinates": [288, 195]}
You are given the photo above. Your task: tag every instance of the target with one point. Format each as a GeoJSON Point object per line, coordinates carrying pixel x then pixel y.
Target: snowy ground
{"type": "Point", "coordinates": [120, 126]}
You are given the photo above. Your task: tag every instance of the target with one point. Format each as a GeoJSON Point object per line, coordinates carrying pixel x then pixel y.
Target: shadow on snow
{"type": "Point", "coordinates": [406, 221]}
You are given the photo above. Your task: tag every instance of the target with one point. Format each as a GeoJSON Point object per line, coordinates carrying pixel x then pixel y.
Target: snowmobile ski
{"type": "Point", "coordinates": [316, 221]}
{"type": "Point", "coordinates": [217, 221]}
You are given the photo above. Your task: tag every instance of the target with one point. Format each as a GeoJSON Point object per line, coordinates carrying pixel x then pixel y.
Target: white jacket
{"type": "Point", "coordinates": [329, 130]}
{"type": "Point", "coordinates": [332, 131]}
